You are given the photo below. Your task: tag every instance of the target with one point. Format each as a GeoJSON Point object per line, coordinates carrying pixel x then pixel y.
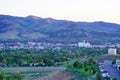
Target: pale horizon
{"type": "Point", "coordinates": [73, 10]}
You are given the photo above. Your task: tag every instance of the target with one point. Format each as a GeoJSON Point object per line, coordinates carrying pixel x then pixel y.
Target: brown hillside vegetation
{"type": "Point", "coordinates": [58, 75]}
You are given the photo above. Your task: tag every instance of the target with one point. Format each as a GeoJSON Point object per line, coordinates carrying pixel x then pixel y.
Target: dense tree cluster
{"type": "Point", "coordinates": [12, 76]}
{"type": "Point", "coordinates": [88, 65]}
{"type": "Point", "coordinates": [47, 57]}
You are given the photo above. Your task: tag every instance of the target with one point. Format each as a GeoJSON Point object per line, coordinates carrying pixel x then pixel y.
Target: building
{"type": "Point", "coordinates": [117, 62]}
{"type": "Point", "coordinates": [112, 51]}
{"type": "Point", "coordinates": [83, 44]}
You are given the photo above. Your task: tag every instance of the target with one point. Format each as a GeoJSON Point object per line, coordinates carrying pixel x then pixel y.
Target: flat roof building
{"type": "Point", "coordinates": [112, 51]}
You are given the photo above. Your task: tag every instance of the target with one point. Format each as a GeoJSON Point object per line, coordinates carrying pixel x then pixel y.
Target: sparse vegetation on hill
{"type": "Point", "coordinates": [33, 28]}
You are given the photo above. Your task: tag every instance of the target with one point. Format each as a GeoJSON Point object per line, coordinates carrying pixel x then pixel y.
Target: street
{"type": "Point", "coordinates": [112, 70]}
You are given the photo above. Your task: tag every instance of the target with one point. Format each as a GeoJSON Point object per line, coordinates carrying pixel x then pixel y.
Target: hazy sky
{"type": "Point", "coordinates": [75, 10]}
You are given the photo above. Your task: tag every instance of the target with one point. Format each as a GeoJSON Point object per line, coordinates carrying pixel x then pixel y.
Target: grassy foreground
{"type": "Point", "coordinates": [23, 74]}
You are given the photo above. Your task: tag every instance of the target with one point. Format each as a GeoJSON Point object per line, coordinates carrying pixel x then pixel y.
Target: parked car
{"type": "Point", "coordinates": [105, 74]}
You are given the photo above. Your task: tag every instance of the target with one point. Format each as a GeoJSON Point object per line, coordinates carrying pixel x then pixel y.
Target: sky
{"type": "Point", "coordinates": [75, 10]}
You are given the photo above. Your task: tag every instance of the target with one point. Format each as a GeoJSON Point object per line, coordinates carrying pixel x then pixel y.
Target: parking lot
{"type": "Point", "coordinates": [108, 70]}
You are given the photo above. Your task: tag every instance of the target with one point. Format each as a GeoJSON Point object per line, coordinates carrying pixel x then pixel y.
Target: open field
{"type": "Point", "coordinates": [42, 75]}
{"type": "Point", "coordinates": [26, 75]}
{"type": "Point", "coordinates": [30, 73]}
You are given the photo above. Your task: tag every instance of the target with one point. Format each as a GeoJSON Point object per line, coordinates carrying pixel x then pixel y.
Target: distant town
{"type": "Point", "coordinates": [39, 45]}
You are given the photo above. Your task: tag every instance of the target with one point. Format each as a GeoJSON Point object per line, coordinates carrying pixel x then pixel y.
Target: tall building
{"type": "Point", "coordinates": [112, 51]}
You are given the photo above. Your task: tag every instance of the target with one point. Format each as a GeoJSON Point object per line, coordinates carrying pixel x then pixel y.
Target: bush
{"type": "Point", "coordinates": [92, 70]}
{"type": "Point", "coordinates": [19, 77]}
{"type": "Point", "coordinates": [12, 77]}
{"type": "Point", "coordinates": [2, 77]}
{"type": "Point", "coordinates": [99, 76]}
{"type": "Point", "coordinates": [86, 69]}
{"type": "Point", "coordinates": [76, 64]}
{"type": "Point", "coordinates": [115, 79]}
{"type": "Point", "coordinates": [114, 61]}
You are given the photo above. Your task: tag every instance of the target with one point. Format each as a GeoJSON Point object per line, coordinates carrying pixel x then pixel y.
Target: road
{"type": "Point", "coordinates": [32, 68]}
{"type": "Point", "coordinates": [112, 70]}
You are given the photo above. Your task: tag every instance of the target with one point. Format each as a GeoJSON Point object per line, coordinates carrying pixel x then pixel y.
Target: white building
{"type": "Point", "coordinates": [112, 51]}
{"type": "Point", "coordinates": [117, 62]}
{"type": "Point", "coordinates": [83, 44]}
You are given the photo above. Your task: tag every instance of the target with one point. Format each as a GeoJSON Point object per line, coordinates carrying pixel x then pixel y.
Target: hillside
{"type": "Point", "coordinates": [32, 28]}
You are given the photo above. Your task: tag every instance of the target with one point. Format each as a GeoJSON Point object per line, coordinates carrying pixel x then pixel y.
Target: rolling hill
{"type": "Point", "coordinates": [32, 28]}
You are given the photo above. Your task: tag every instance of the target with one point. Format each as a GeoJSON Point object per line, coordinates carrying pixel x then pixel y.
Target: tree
{"type": "Point", "coordinates": [99, 76]}
{"type": "Point", "coordinates": [12, 77]}
{"type": "Point", "coordinates": [48, 62]}
{"type": "Point", "coordinates": [19, 76]}
{"type": "Point", "coordinates": [4, 77]}
{"type": "Point", "coordinates": [1, 58]}
{"type": "Point", "coordinates": [80, 65]}
{"type": "Point", "coordinates": [69, 66]}
{"type": "Point", "coordinates": [108, 78]}
{"type": "Point", "coordinates": [76, 64]}
{"type": "Point", "coordinates": [91, 61]}
{"type": "Point", "coordinates": [114, 61]}
{"type": "Point", "coordinates": [114, 78]}
{"type": "Point", "coordinates": [86, 69]}
{"type": "Point", "coordinates": [92, 70]}
{"type": "Point", "coordinates": [1, 76]}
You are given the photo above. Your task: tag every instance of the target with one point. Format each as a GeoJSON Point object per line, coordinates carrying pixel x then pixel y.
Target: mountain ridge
{"type": "Point", "coordinates": [33, 28]}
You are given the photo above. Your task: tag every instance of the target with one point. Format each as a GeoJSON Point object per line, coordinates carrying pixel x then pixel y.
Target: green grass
{"type": "Point", "coordinates": [83, 72]}
{"type": "Point", "coordinates": [26, 77]}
